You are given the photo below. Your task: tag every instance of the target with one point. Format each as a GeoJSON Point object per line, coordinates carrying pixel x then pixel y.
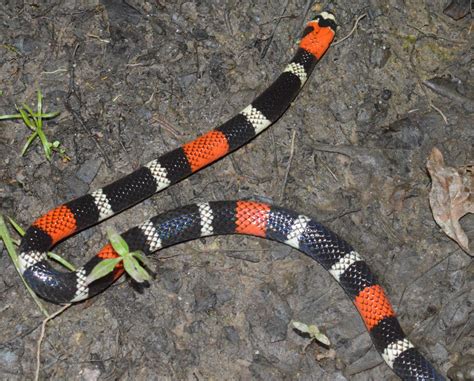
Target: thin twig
{"type": "Point", "coordinates": [440, 112]}
{"type": "Point", "coordinates": [420, 82]}
{"type": "Point", "coordinates": [287, 172]}
{"type": "Point", "coordinates": [270, 39]}
{"type": "Point", "coordinates": [151, 97]}
{"type": "Point", "coordinates": [402, 296]}
{"type": "Point", "coordinates": [435, 36]}
{"type": "Point", "coordinates": [73, 92]}
{"type": "Point", "coordinates": [447, 91]}
{"type": "Point", "coordinates": [352, 31]}
{"type": "Point", "coordinates": [41, 337]}
{"type": "Point", "coordinates": [98, 38]}
{"type": "Point", "coordinates": [461, 331]}
{"type": "Point", "coordinates": [60, 70]}
{"type": "Point", "coordinates": [165, 125]}
{"type": "Point", "coordinates": [343, 214]}
{"type": "Point", "coordinates": [325, 166]}
{"type": "Point", "coordinates": [136, 64]}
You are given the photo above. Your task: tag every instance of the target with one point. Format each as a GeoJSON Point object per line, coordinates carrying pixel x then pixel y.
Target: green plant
{"type": "Point", "coordinates": [9, 246]}
{"type": "Point", "coordinates": [312, 331]}
{"type": "Point", "coordinates": [34, 121]}
{"type": "Point", "coordinates": [131, 261]}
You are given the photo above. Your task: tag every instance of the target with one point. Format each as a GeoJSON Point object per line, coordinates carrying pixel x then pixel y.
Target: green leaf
{"type": "Point", "coordinates": [133, 268]}
{"type": "Point", "coordinates": [5, 237]}
{"type": "Point", "coordinates": [31, 114]}
{"type": "Point", "coordinates": [117, 242]}
{"type": "Point", "coordinates": [44, 142]}
{"type": "Point", "coordinates": [302, 327]}
{"type": "Point", "coordinates": [102, 269]}
{"type": "Point", "coordinates": [40, 101]}
{"type": "Point", "coordinates": [142, 258]}
{"type": "Point", "coordinates": [50, 115]}
{"type": "Point", "coordinates": [17, 227]}
{"type": "Point", "coordinates": [10, 116]}
{"type": "Point", "coordinates": [28, 143]}
{"type": "Point", "coordinates": [313, 330]}
{"type": "Point", "coordinates": [61, 261]}
{"type": "Point", "coordinates": [27, 120]}
{"type": "Point", "coordinates": [39, 107]}
{"type": "Point", "coordinates": [323, 339]}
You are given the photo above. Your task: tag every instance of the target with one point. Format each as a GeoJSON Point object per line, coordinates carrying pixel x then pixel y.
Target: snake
{"type": "Point", "coordinates": [246, 217]}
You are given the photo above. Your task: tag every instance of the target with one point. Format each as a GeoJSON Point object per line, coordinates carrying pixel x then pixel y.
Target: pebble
{"type": "Point", "coordinates": [88, 170]}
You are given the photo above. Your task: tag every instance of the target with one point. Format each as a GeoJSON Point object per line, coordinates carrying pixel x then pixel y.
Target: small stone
{"type": "Point", "coordinates": [386, 94]}
{"type": "Point", "coordinates": [231, 334]}
{"type": "Point", "coordinates": [200, 34]}
{"type": "Point", "coordinates": [205, 299]}
{"type": "Point", "coordinates": [380, 53]}
{"type": "Point", "coordinates": [88, 170]}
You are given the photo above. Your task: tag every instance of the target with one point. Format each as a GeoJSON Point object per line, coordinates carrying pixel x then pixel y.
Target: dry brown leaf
{"type": "Point", "coordinates": [329, 354]}
{"type": "Point", "coordinates": [451, 196]}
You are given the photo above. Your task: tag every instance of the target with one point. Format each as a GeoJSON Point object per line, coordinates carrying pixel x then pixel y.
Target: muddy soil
{"type": "Point", "coordinates": [135, 79]}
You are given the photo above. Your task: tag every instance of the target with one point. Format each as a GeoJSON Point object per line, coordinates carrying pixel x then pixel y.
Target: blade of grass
{"type": "Point", "coordinates": [18, 116]}
{"type": "Point", "coordinates": [39, 108]}
{"type": "Point", "coordinates": [45, 143]}
{"type": "Point", "coordinates": [61, 261]}
{"type": "Point", "coordinates": [50, 115]}
{"type": "Point", "coordinates": [26, 119]}
{"type": "Point", "coordinates": [10, 116]}
{"type": "Point", "coordinates": [5, 236]}
{"type": "Point", "coordinates": [7, 240]}
{"type": "Point", "coordinates": [39, 105]}
{"type": "Point", "coordinates": [17, 227]}
{"type": "Point", "coordinates": [31, 113]}
{"type": "Point", "coordinates": [28, 143]}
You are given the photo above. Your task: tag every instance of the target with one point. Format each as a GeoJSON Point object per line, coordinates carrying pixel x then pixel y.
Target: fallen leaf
{"type": "Point", "coordinates": [329, 354]}
{"type": "Point", "coordinates": [451, 196]}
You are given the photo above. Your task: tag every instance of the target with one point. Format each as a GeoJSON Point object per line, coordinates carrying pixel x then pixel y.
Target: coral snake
{"type": "Point", "coordinates": [223, 217]}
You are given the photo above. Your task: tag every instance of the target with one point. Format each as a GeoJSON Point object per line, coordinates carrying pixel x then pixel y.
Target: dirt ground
{"type": "Point", "coordinates": [135, 79]}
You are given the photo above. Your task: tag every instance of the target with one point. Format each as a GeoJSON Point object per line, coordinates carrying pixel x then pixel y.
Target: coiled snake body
{"type": "Point", "coordinates": [225, 217]}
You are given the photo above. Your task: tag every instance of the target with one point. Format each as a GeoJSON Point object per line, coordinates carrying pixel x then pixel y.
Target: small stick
{"type": "Point", "coordinates": [287, 172]}
{"type": "Point", "coordinates": [352, 31]}
{"type": "Point", "coordinates": [440, 112]}
{"type": "Point", "coordinates": [40, 339]}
